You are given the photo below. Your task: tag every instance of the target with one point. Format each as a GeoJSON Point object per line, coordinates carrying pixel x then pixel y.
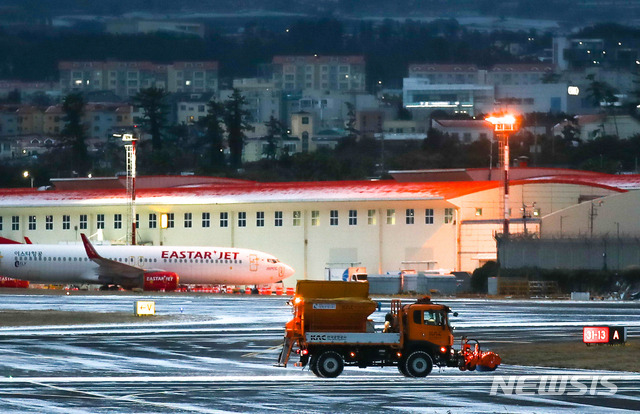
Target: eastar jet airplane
{"type": "Point", "coordinates": [146, 267]}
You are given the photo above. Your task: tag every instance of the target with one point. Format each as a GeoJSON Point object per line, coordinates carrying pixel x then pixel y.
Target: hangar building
{"type": "Point", "coordinates": [444, 219]}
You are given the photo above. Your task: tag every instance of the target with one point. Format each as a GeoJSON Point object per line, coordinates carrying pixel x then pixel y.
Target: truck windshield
{"type": "Point", "coordinates": [432, 317]}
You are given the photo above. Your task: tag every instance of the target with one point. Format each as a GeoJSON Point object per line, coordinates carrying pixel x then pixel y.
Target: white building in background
{"type": "Point", "coordinates": [422, 97]}
{"type": "Point", "coordinates": [263, 99]}
{"type": "Point", "coordinates": [385, 226]}
{"type": "Point", "coordinates": [523, 88]}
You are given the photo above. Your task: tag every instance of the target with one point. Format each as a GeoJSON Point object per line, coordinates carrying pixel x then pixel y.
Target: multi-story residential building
{"type": "Point", "coordinates": [369, 122]}
{"type": "Point", "coordinates": [30, 120]}
{"type": "Point", "coordinates": [8, 149]}
{"type": "Point", "coordinates": [102, 120]}
{"type": "Point", "coordinates": [520, 74]}
{"type": "Point", "coordinates": [126, 79]}
{"type": "Point", "coordinates": [196, 77]}
{"type": "Point", "coordinates": [8, 120]}
{"type": "Point", "coordinates": [338, 73]}
{"type": "Point", "coordinates": [329, 107]}
{"type": "Point", "coordinates": [189, 108]}
{"type": "Point", "coordinates": [27, 90]}
{"type": "Point", "coordinates": [53, 120]}
{"type": "Point", "coordinates": [263, 99]}
{"type": "Point", "coordinates": [441, 74]}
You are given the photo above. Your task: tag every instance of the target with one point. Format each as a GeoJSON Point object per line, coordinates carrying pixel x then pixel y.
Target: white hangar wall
{"type": "Point", "coordinates": [476, 232]}
{"type": "Point", "coordinates": [385, 235]}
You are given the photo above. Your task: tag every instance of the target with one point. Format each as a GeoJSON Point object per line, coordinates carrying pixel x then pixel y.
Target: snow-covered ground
{"type": "Point", "coordinates": [225, 363]}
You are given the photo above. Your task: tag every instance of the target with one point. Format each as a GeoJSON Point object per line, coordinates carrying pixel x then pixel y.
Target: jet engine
{"type": "Point", "coordinates": [155, 281]}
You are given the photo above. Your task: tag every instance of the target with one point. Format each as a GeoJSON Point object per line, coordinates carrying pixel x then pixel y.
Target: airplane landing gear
{"type": "Point", "coordinates": [109, 287]}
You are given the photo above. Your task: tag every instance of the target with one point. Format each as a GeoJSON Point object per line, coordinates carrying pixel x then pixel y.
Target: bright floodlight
{"type": "Point", "coordinates": [505, 122]}
{"type": "Point", "coordinates": [164, 221]}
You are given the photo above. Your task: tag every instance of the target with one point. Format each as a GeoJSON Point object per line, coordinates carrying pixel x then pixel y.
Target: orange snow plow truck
{"type": "Point", "coordinates": [330, 329]}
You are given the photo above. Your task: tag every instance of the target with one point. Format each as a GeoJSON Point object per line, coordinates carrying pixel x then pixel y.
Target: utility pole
{"type": "Point", "coordinates": [593, 213]}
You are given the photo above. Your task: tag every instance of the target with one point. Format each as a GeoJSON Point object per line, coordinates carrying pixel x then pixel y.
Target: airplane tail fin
{"type": "Point", "coordinates": [91, 251]}
{"type": "Point", "coordinates": [4, 240]}
{"type": "Point", "coordinates": [27, 240]}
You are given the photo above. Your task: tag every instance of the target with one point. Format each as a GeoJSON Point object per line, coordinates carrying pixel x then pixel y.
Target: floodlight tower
{"type": "Point", "coordinates": [503, 125]}
{"type": "Point", "coordinates": [130, 148]}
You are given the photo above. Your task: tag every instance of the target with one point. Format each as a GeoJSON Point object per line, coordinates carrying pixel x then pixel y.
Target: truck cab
{"type": "Point", "coordinates": [427, 324]}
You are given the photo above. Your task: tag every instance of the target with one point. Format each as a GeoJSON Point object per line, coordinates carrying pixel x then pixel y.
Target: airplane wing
{"type": "Point", "coordinates": [110, 268]}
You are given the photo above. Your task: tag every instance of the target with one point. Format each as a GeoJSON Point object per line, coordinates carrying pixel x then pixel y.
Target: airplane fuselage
{"type": "Point", "coordinates": [193, 264]}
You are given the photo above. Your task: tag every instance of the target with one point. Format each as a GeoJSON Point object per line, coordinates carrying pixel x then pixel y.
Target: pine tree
{"type": "Point", "coordinates": [214, 136]}
{"type": "Point", "coordinates": [276, 132]}
{"type": "Point", "coordinates": [235, 119]}
{"type": "Point", "coordinates": [73, 132]}
{"type": "Point", "coordinates": [154, 107]}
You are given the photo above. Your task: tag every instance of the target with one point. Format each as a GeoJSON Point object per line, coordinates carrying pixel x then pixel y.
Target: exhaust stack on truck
{"type": "Point", "coordinates": [330, 329]}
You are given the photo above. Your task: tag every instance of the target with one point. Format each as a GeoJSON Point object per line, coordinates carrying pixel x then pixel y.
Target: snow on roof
{"type": "Point", "coordinates": [251, 193]}
{"type": "Point", "coordinates": [619, 182]}
{"type": "Point", "coordinates": [290, 192]}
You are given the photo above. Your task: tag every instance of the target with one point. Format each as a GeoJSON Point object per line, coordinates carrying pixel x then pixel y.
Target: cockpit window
{"type": "Point", "coordinates": [272, 260]}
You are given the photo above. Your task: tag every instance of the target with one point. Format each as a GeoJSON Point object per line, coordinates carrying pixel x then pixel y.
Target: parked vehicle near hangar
{"type": "Point", "coordinates": [330, 330]}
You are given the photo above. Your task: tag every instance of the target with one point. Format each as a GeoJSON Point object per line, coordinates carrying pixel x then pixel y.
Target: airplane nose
{"type": "Point", "coordinates": [288, 270]}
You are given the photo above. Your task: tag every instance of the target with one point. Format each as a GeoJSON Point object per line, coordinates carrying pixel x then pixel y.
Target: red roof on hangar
{"type": "Point", "coordinates": [252, 192]}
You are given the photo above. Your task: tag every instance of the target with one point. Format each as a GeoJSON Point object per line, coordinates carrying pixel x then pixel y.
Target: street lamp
{"type": "Point", "coordinates": [27, 175]}
{"type": "Point", "coordinates": [503, 125]}
{"type": "Point", "coordinates": [527, 213]}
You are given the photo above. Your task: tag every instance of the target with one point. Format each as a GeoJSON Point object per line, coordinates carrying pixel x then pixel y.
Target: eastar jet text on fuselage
{"type": "Point", "coordinates": [145, 267]}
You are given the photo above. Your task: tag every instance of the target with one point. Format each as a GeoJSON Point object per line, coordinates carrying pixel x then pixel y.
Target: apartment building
{"type": "Point", "coordinates": [339, 73]}
{"type": "Point", "coordinates": [442, 74]}
{"type": "Point", "coordinates": [100, 120]}
{"type": "Point", "coordinates": [126, 79]}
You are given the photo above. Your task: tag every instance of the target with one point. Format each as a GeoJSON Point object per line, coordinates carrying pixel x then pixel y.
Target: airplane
{"type": "Point", "coordinates": [150, 268]}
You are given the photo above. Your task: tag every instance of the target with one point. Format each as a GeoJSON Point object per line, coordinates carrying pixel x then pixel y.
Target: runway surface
{"type": "Point", "coordinates": [219, 358]}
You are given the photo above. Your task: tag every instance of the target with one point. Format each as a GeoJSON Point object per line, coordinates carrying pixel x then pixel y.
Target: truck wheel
{"type": "Point", "coordinates": [313, 366]}
{"type": "Point", "coordinates": [419, 364]}
{"type": "Point", "coordinates": [402, 367]}
{"type": "Point", "coordinates": [330, 364]}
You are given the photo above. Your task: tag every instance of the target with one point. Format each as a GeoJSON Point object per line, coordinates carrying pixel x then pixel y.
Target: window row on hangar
{"type": "Point", "coordinates": [206, 219]}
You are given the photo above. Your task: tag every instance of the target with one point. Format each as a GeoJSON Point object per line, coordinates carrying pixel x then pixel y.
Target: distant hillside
{"type": "Point", "coordinates": [576, 11]}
